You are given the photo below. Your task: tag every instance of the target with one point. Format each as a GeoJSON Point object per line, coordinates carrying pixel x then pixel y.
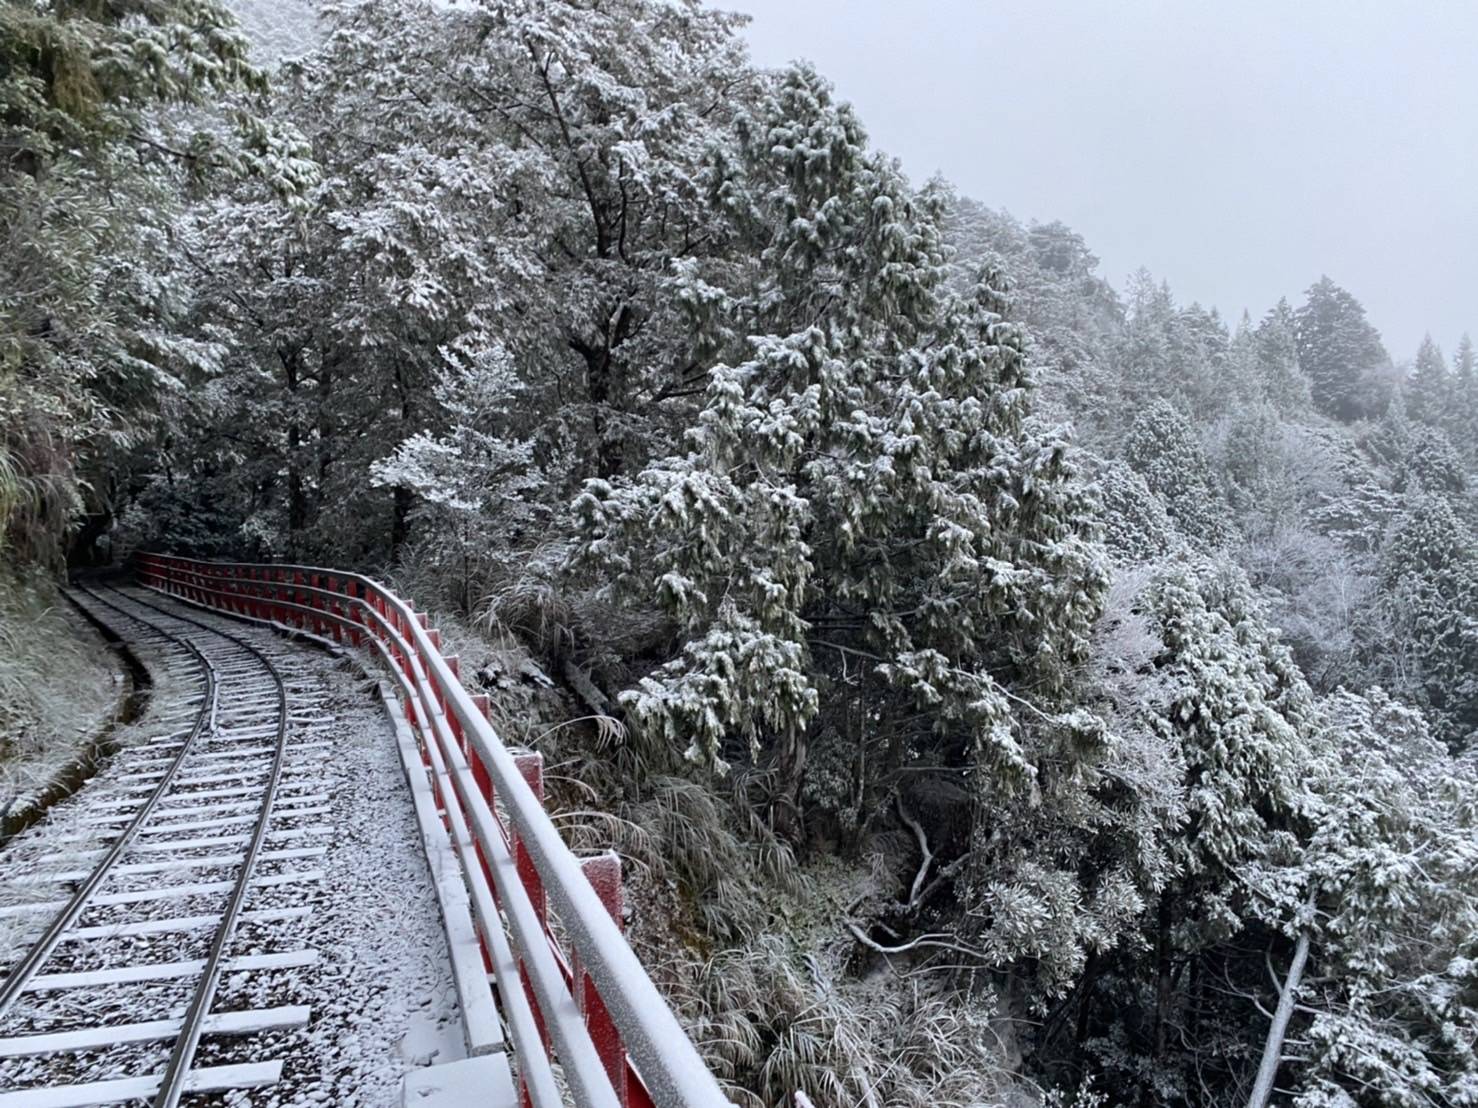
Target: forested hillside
{"type": "Point", "coordinates": [1020, 688]}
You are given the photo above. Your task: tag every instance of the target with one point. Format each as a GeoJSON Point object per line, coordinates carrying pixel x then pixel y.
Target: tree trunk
{"type": "Point", "coordinates": [1165, 981]}
{"type": "Point", "coordinates": [1085, 999]}
{"type": "Point", "coordinates": [1272, 1052]}
{"type": "Point", "coordinates": [785, 805]}
{"type": "Point", "coordinates": [402, 501]}
{"type": "Point", "coordinates": [325, 431]}
{"type": "Point", "coordinates": [297, 500]}
{"type": "Point", "coordinates": [399, 520]}
{"type": "Point", "coordinates": [605, 387]}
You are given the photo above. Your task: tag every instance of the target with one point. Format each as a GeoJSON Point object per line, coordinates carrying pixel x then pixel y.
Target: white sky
{"type": "Point", "coordinates": [1237, 149]}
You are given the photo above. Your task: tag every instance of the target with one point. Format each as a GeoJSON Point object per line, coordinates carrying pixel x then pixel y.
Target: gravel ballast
{"type": "Point", "coordinates": [380, 992]}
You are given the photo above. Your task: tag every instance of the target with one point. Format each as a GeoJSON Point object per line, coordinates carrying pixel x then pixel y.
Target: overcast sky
{"type": "Point", "coordinates": [1237, 149]}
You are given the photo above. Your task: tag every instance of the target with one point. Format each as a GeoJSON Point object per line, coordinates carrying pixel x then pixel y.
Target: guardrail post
{"type": "Point", "coordinates": [480, 776]}
{"type": "Point", "coordinates": [352, 611]}
{"type": "Point", "coordinates": [453, 663]}
{"type": "Point", "coordinates": [531, 767]}
{"type": "Point", "coordinates": [604, 874]}
{"type": "Point", "coordinates": [483, 781]}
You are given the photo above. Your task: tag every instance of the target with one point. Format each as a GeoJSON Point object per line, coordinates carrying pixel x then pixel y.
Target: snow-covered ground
{"type": "Point", "coordinates": [59, 688]}
{"type": "Point", "coordinates": [378, 987]}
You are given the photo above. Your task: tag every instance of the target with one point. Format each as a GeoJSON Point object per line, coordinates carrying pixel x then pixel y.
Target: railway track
{"type": "Point", "coordinates": [183, 869]}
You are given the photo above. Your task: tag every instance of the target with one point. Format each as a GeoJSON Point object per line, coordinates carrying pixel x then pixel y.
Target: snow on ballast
{"type": "Point", "coordinates": [58, 1049]}
{"type": "Point", "coordinates": [337, 980]}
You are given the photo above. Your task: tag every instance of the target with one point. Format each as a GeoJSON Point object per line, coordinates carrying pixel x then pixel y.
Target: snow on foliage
{"type": "Point", "coordinates": [1099, 662]}
{"type": "Point", "coordinates": [862, 481]}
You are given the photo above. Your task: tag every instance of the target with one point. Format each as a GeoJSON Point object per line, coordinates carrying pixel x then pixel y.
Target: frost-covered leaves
{"type": "Point", "coordinates": [736, 681]}
{"type": "Point", "coordinates": [1069, 878]}
{"type": "Point", "coordinates": [1429, 579]}
{"type": "Point", "coordinates": [103, 131]}
{"type": "Point", "coordinates": [862, 484]}
{"type": "Point", "coordinates": [477, 483]}
{"type": "Point", "coordinates": [1340, 353]}
{"type": "Point", "coordinates": [1136, 526]}
{"type": "Point", "coordinates": [1163, 448]}
{"type": "Point", "coordinates": [1241, 713]}
{"type": "Point", "coordinates": [1392, 1002]}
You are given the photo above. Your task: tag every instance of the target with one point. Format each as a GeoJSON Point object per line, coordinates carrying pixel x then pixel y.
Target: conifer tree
{"type": "Point", "coordinates": [1429, 388]}
{"type": "Point", "coordinates": [1229, 701]}
{"type": "Point", "coordinates": [1429, 580]}
{"type": "Point", "coordinates": [1340, 353]}
{"type": "Point", "coordinates": [1462, 424]}
{"type": "Point", "coordinates": [1430, 464]}
{"type": "Point", "coordinates": [1283, 383]}
{"type": "Point", "coordinates": [863, 485]}
{"type": "Point", "coordinates": [1387, 1008]}
{"type": "Point", "coordinates": [1163, 448]}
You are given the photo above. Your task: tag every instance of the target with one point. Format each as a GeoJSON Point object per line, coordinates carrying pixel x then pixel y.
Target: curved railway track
{"type": "Point", "coordinates": [181, 840]}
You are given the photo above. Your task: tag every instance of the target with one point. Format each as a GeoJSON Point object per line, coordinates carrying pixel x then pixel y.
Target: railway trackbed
{"type": "Point", "coordinates": [165, 932]}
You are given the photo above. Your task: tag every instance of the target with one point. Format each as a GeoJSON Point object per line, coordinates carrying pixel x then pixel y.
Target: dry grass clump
{"type": "Point", "coordinates": [773, 1020]}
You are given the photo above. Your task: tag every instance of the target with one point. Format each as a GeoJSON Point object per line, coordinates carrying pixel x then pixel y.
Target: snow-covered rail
{"type": "Point", "coordinates": [187, 824]}
{"type": "Point", "coordinates": [585, 1004]}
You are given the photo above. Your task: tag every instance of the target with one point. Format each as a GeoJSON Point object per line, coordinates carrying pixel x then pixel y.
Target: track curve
{"type": "Point", "coordinates": [54, 1052]}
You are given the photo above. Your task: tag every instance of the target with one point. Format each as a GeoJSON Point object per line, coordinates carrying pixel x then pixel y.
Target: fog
{"type": "Point", "coordinates": [1238, 151]}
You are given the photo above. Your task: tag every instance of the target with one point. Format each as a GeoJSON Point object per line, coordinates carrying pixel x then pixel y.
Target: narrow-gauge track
{"type": "Point", "coordinates": [117, 990]}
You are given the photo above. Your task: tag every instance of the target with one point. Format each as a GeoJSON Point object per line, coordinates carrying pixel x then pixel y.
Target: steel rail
{"type": "Point", "coordinates": [182, 1055]}
{"type": "Point", "coordinates": [23, 971]}
{"type": "Point", "coordinates": [535, 1067]}
{"type": "Point", "coordinates": [665, 1057]}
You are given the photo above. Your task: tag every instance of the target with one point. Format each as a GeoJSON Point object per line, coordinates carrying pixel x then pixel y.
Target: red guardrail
{"type": "Point", "coordinates": [586, 1004]}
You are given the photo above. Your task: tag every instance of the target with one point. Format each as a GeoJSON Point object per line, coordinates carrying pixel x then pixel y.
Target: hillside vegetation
{"type": "Point", "coordinates": [1014, 688]}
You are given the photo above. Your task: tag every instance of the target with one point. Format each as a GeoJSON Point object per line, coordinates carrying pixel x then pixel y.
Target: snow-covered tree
{"type": "Point", "coordinates": [1136, 526]}
{"type": "Point", "coordinates": [1169, 353]}
{"type": "Point", "coordinates": [1429, 387]}
{"type": "Point", "coordinates": [1284, 384]}
{"type": "Point", "coordinates": [102, 130]}
{"type": "Point", "coordinates": [518, 176]}
{"type": "Point", "coordinates": [1431, 464]}
{"type": "Point", "coordinates": [1429, 582]}
{"type": "Point", "coordinates": [478, 487]}
{"type": "Point", "coordinates": [1462, 422]}
{"type": "Point", "coordinates": [1224, 695]}
{"type": "Point", "coordinates": [1071, 312]}
{"type": "Point", "coordinates": [1163, 448]}
{"type": "Point", "coordinates": [1387, 1001]}
{"type": "Point", "coordinates": [864, 504]}
{"type": "Point", "coordinates": [1241, 712]}
{"type": "Point", "coordinates": [1340, 353]}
